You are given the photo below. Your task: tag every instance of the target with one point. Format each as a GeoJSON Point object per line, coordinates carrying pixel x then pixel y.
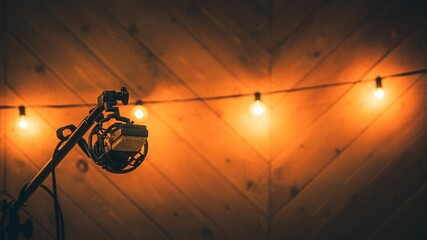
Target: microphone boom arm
{"type": "Point", "coordinates": [107, 101]}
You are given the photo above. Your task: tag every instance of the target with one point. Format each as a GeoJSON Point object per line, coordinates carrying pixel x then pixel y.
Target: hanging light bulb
{"type": "Point", "coordinates": [379, 92]}
{"type": "Point", "coordinates": [22, 120]}
{"type": "Point", "coordinates": [139, 111]}
{"type": "Point", "coordinates": [257, 108]}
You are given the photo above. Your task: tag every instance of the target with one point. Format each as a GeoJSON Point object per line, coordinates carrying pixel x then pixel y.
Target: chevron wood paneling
{"type": "Point", "coordinates": [324, 164]}
{"type": "Point", "coordinates": [253, 16]}
{"type": "Point", "coordinates": [312, 143]}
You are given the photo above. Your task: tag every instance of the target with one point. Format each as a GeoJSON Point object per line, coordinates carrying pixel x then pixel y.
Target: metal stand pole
{"type": "Point", "coordinates": [10, 220]}
{"type": "Point", "coordinates": [63, 150]}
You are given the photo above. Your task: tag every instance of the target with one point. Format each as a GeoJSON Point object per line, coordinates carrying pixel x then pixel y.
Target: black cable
{"type": "Point", "coordinates": [59, 220]}
{"type": "Point", "coordinates": [194, 99]}
{"type": "Point", "coordinates": [55, 198]}
{"type": "Point", "coordinates": [44, 187]}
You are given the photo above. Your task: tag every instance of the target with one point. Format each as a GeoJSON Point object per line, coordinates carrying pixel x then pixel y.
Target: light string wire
{"type": "Point", "coordinates": [194, 99]}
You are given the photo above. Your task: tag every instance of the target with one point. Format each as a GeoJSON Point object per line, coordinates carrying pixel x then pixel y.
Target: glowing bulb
{"type": "Point", "coordinates": [139, 111]}
{"type": "Point", "coordinates": [379, 92]}
{"type": "Point", "coordinates": [257, 108]}
{"type": "Point", "coordinates": [22, 120]}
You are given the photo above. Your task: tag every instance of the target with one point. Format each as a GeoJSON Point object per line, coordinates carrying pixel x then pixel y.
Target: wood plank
{"type": "Point", "coordinates": [78, 225]}
{"type": "Point", "coordinates": [182, 53]}
{"type": "Point", "coordinates": [27, 75]}
{"type": "Point", "coordinates": [98, 20]}
{"type": "Point", "coordinates": [317, 38]}
{"type": "Point", "coordinates": [252, 16]}
{"type": "Point", "coordinates": [342, 181]}
{"type": "Point", "coordinates": [166, 204]}
{"type": "Point", "coordinates": [288, 16]}
{"type": "Point", "coordinates": [91, 25]}
{"type": "Point", "coordinates": [254, 130]}
{"type": "Point", "coordinates": [222, 147]}
{"type": "Point", "coordinates": [231, 143]}
{"type": "Point", "coordinates": [121, 216]}
{"type": "Point", "coordinates": [72, 63]}
{"type": "Point", "coordinates": [234, 49]}
{"type": "Point", "coordinates": [367, 49]}
{"type": "Point", "coordinates": [207, 189]}
{"type": "Point", "coordinates": [408, 222]}
{"type": "Point", "coordinates": [335, 130]}
{"type": "Point", "coordinates": [357, 220]}
{"type": "Point", "coordinates": [179, 230]}
{"type": "Point", "coordinates": [224, 39]}
{"type": "Point", "coordinates": [93, 197]}
{"type": "Point", "coordinates": [145, 191]}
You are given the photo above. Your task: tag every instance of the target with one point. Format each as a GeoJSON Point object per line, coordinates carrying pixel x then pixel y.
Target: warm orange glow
{"type": "Point", "coordinates": [257, 108]}
{"type": "Point", "coordinates": [379, 93]}
{"type": "Point", "coordinates": [139, 112]}
{"type": "Point", "coordinates": [23, 122]}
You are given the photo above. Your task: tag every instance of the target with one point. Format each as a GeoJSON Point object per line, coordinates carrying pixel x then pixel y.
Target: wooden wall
{"type": "Point", "coordinates": [329, 163]}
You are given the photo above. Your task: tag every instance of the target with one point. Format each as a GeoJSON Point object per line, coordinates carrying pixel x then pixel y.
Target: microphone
{"type": "Point", "coordinates": [120, 147]}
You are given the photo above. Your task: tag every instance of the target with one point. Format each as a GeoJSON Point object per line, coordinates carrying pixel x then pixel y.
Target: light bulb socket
{"type": "Point", "coordinates": [139, 102]}
{"type": "Point", "coordinates": [21, 110]}
{"type": "Point", "coordinates": [379, 82]}
{"type": "Point", "coordinates": [257, 96]}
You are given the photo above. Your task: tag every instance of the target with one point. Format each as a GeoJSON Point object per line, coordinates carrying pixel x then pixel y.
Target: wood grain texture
{"type": "Point", "coordinates": [253, 16]}
{"type": "Point", "coordinates": [393, 183]}
{"type": "Point", "coordinates": [92, 42]}
{"type": "Point", "coordinates": [197, 68]}
{"type": "Point", "coordinates": [224, 38]}
{"type": "Point", "coordinates": [128, 59]}
{"type": "Point", "coordinates": [174, 230]}
{"type": "Point", "coordinates": [19, 170]}
{"type": "Point", "coordinates": [88, 193]}
{"type": "Point", "coordinates": [330, 135]}
{"type": "Point", "coordinates": [71, 61]}
{"type": "Point", "coordinates": [409, 221]}
{"type": "Point", "coordinates": [307, 108]}
{"type": "Point", "coordinates": [321, 164]}
{"type": "Point", "coordinates": [288, 16]}
{"type": "Point", "coordinates": [326, 195]}
{"type": "Point", "coordinates": [368, 49]}
{"type": "Point", "coordinates": [222, 203]}
{"type": "Point", "coordinates": [319, 36]}
{"type": "Point", "coordinates": [230, 143]}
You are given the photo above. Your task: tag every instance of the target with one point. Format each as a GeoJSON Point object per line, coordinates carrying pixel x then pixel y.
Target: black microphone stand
{"type": "Point", "coordinates": [10, 226]}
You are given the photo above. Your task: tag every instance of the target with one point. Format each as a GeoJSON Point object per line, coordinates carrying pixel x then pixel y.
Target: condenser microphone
{"type": "Point", "coordinates": [119, 148]}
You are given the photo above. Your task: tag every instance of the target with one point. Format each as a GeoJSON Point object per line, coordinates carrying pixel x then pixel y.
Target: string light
{"type": "Point", "coordinates": [379, 92]}
{"type": "Point", "coordinates": [22, 120]}
{"type": "Point", "coordinates": [257, 108]}
{"type": "Point", "coordinates": [139, 111]}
